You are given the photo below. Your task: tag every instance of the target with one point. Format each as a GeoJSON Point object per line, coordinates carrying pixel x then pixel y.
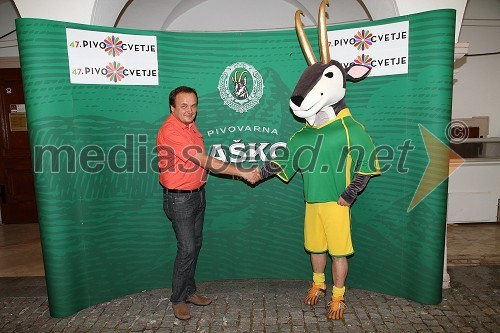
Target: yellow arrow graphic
{"type": "Point", "coordinates": [443, 161]}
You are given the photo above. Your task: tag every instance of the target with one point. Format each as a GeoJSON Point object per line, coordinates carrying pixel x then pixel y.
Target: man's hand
{"type": "Point", "coordinates": [252, 176]}
{"type": "Point", "coordinates": [256, 174]}
{"type": "Point", "coordinates": [342, 202]}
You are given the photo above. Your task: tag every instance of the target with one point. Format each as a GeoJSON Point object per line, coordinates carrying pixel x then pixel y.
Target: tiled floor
{"type": "Point", "coordinates": [20, 250]}
{"type": "Point", "coordinates": [262, 305]}
{"type": "Point", "coordinates": [470, 305]}
{"type": "Point", "coordinates": [474, 244]}
{"type": "Point", "coordinates": [468, 244]}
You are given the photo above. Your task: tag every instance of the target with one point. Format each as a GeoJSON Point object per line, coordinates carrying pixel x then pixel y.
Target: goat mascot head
{"type": "Point", "coordinates": [319, 94]}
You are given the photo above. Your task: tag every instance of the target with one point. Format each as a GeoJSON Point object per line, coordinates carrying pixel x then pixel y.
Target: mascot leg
{"type": "Point", "coordinates": [337, 306]}
{"type": "Point", "coordinates": [317, 290]}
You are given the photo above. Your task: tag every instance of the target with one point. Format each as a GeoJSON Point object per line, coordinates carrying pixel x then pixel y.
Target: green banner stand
{"type": "Point", "coordinates": [104, 233]}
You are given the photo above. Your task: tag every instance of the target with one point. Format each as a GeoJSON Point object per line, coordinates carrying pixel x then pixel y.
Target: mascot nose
{"type": "Point", "coordinates": [297, 100]}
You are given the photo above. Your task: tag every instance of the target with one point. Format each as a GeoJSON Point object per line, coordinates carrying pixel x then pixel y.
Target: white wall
{"type": "Point", "coordinates": [8, 44]}
{"type": "Point", "coordinates": [247, 15]}
{"type": "Point", "coordinates": [477, 82]}
{"type": "Point", "coordinates": [473, 192]}
{"type": "Point", "coordinates": [474, 188]}
{"type": "Point", "coordinates": [406, 7]}
{"type": "Point", "coordinates": [79, 11]}
{"type": "Point", "coordinates": [477, 87]}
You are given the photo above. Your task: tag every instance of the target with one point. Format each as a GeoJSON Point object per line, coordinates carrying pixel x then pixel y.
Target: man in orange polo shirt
{"type": "Point", "coordinates": [183, 166]}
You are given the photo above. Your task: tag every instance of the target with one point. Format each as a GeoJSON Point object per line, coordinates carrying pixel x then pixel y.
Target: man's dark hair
{"type": "Point", "coordinates": [178, 90]}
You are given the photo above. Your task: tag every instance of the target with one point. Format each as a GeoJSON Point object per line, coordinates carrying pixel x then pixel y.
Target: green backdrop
{"type": "Point", "coordinates": [104, 234]}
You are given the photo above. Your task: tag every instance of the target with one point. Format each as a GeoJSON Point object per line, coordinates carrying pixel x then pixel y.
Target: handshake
{"type": "Point", "coordinates": [252, 175]}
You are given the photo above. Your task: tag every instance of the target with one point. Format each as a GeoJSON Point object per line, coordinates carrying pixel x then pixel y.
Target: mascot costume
{"type": "Point", "coordinates": [335, 170]}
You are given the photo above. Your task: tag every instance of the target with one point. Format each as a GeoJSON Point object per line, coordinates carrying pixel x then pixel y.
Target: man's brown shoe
{"type": "Point", "coordinates": [198, 300]}
{"type": "Point", "coordinates": [181, 311]}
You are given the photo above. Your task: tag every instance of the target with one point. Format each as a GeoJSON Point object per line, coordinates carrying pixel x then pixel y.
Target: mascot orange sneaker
{"type": "Point", "coordinates": [314, 293]}
{"type": "Point", "coordinates": [337, 308]}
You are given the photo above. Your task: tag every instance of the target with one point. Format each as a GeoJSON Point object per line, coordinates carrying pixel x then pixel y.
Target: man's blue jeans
{"type": "Point", "coordinates": [186, 211]}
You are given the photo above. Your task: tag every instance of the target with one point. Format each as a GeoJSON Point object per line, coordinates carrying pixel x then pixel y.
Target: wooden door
{"type": "Point", "coordinates": [17, 191]}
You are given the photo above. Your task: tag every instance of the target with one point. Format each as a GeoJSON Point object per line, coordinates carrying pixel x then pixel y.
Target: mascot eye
{"type": "Point", "coordinates": [329, 75]}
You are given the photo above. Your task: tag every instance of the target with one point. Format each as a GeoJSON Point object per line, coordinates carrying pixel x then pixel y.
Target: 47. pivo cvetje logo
{"type": "Point", "coordinates": [115, 71]}
{"type": "Point", "coordinates": [113, 45]}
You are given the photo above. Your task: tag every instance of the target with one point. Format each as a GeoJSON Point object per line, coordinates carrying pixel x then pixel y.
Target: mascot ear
{"type": "Point", "coordinates": [356, 72]}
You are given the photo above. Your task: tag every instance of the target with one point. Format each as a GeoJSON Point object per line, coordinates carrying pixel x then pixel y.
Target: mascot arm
{"type": "Point", "coordinates": [355, 187]}
{"type": "Point", "coordinates": [269, 169]}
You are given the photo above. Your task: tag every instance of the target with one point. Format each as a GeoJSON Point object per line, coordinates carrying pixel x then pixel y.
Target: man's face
{"type": "Point", "coordinates": [185, 107]}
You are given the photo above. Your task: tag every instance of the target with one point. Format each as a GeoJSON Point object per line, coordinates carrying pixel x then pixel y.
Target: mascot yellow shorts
{"type": "Point", "coordinates": [327, 227]}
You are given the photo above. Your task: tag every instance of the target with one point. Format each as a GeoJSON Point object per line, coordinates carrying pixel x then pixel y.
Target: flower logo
{"type": "Point", "coordinates": [363, 40]}
{"type": "Point", "coordinates": [115, 71]}
{"type": "Point", "coordinates": [113, 46]}
{"type": "Point", "coordinates": [364, 59]}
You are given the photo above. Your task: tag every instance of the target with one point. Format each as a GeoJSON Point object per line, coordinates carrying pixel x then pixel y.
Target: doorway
{"type": "Point", "coordinates": [17, 190]}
